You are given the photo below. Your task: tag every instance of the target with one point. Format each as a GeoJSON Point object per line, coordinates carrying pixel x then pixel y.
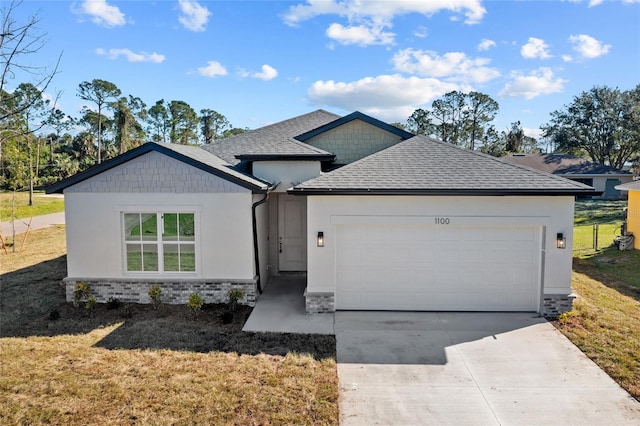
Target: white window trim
{"type": "Point", "coordinates": [159, 211]}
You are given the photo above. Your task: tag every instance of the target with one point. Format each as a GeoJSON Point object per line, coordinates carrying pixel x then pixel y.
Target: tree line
{"type": "Point", "coordinates": [40, 144]}
{"type": "Point", "coordinates": [602, 124]}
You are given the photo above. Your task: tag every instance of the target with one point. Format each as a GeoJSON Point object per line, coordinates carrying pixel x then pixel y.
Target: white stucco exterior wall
{"type": "Point", "coordinates": [554, 214]}
{"type": "Point", "coordinates": [95, 247]}
{"type": "Point", "coordinates": [157, 183]}
{"type": "Point", "coordinates": [286, 173]}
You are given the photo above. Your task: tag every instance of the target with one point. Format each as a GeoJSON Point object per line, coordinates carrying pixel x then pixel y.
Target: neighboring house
{"type": "Point", "coordinates": [406, 222]}
{"type": "Point", "coordinates": [603, 178]}
{"type": "Point", "coordinates": [633, 210]}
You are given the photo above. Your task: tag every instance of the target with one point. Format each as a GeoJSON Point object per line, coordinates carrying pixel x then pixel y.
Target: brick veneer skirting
{"type": "Point", "coordinates": [174, 292]}
{"type": "Point", "coordinates": [319, 303]}
{"type": "Point", "coordinates": [556, 304]}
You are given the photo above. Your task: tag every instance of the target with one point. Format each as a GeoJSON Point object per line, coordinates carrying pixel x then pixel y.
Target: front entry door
{"type": "Point", "coordinates": [292, 233]}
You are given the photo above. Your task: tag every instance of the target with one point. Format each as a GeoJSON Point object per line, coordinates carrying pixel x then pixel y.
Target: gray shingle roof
{"type": "Point", "coordinates": [274, 140]}
{"type": "Point", "coordinates": [425, 166]}
{"type": "Point", "coordinates": [630, 186]}
{"type": "Point", "coordinates": [562, 164]}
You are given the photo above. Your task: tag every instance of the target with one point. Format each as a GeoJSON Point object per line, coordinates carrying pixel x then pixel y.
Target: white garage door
{"type": "Point", "coordinates": [421, 267]}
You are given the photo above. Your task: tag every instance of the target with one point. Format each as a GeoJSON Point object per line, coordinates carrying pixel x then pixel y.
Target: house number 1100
{"type": "Point", "coordinates": [442, 220]}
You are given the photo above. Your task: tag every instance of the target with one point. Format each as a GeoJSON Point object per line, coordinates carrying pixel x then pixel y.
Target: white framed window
{"type": "Point", "coordinates": [159, 242]}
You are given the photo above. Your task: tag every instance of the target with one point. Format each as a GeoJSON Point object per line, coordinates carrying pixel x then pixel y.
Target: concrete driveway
{"type": "Point", "coordinates": [469, 368]}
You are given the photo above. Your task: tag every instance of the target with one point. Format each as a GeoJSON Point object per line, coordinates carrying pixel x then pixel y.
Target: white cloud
{"type": "Point", "coordinates": [193, 16]}
{"type": "Point", "coordinates": [267, 73]}
{"type": "Point", "coordinates": [359, 34]}
{"type": "Point", "coordinates": [538, 82]}
{"type": "Point", "coordinates": [535, 48]}
{"type": "Point", "coordinates": [532, 133]}
{"type": "Point", "coordinates": [455, 66]}
{"type": "Point", "coordinates": [131, 56]}
{"type": "Point", "coordinates": [213, 69]}
{"type": "Point", "coordinates": [588, 47]}
{"type": "Point", "coordinates": [102, 13]}
{"type": "Point", "coordinates": [486, 44]}
{"type": "Point", "coordinates": [567, 58]}
{"type": "Point", "coordinates": [376, 16]}
{"type": "Point", "coordinates": [389, 97]}
{"type": "Point", "coordinates": [421, 32]}
{"type": "Point", "coordinates": [595, 2]}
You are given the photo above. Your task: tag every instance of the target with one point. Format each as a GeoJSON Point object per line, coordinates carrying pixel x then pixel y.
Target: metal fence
{"type": "Point", "coordinates": [596, 236]}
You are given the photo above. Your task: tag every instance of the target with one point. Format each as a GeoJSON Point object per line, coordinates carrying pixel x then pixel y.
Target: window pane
{"type": "Point", "coordinates": [149, 226]}
{"type": "Point", "coordinates": [187, 226]}
{"type": "Point", "coordinates": [150, 257]}
{"type": "Point", "coordinates": [134, 257]}
{"type": "Point", "coordinates": [171, 257]}
{"type": "Point", "coordinates": [132, 226]}
{"type": "Point", "coordinates": [187, 257]}
{"type": "Point", "coordinates": [170, 226]}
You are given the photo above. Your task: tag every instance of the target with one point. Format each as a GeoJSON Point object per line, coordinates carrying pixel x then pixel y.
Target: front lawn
{"type": "Point", "coordinates": [132, 364]}
{"type": "Point", "coordinates": [42, 204]}
{"type": "Point", "coordinates": [605, 320]}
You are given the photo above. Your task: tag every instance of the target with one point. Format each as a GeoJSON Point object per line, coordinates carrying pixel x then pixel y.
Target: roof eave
{"type": "Point", "coordinates": [287, 157]}
{"type": "Point", "coordinates": [443, 192]}
{"type": "Point", "coordinates": [357, 115]}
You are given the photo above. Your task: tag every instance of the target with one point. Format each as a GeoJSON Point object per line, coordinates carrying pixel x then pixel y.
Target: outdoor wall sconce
{"type": "Point", "coordinates": [561, 241]}
{"type": "Point", "coordinates": [320, 239]}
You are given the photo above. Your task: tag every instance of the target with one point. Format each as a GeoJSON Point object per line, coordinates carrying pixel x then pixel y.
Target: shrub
{"type": "Point", "coordinates": [195, 304]}
{"type": "Point", "coordinates": [90, 305]}
{"type": "Point", "coordinates": [113, 303]}
{"type": "Point", "coordinates": [234, 296]}
{"type": "Point", "coordinates": [81, 293]}
{"type": "Point", "coordinates": [155, 292]}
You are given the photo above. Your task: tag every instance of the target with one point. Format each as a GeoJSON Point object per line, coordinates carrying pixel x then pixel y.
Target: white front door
{"type": "Point", "coordinates": [292, 233]}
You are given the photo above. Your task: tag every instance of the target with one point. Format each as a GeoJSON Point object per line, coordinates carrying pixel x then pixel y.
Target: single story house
{"type": "Point", "coordinates": [377, 218]}
{"type": "Point", "coordinates": [602, 177]}
{"type": "Point", "coordinates": [633, 210]}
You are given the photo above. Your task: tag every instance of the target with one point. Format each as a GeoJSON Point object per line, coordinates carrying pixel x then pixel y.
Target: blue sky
{"type": "Point", "coordinates": [258, 62]}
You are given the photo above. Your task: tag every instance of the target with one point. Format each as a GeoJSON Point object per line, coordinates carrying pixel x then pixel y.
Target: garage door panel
{"type": "Point", "coordinates": [412, 267]}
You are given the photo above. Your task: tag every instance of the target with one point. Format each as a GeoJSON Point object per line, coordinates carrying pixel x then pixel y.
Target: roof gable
{"type": "Point", "coordinates": [422, 165]}
{"type": "Point", "coordinates": [563, 164]}
{"type": "Point", "coordinates": [357, 115]}
{"type": "Point", "coordinates": [190, 155]}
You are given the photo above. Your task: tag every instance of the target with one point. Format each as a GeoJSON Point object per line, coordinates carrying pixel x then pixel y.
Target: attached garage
{"type": "Point", "coordinates": [447, 268]}
{"type": "Point", "coordinates": [428, 226]}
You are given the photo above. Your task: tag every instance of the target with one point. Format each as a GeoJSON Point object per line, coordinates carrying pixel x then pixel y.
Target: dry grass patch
{"type": "Point", "coordinates": [135, 365]}
{"type": "Point", "coordinates": [605, 325]}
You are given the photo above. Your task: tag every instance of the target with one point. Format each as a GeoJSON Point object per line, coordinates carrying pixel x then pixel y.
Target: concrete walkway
{"type": "Point", "coordinates": [469, 369]}
{"type": "Point", "coordinates": [38, 222]}
{"type": "Point", "coordinates": [281, 309]}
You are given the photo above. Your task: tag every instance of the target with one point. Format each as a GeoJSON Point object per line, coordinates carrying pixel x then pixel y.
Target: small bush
{"type": "Point", "coordinates": [155, 292]}
{"type": "Point", "coordinates": [81, 293]}
{"type": "Point", "coordinates": [90, 305]}
{"type": "Point", "coordinates": [234, 296]}
{"type": "Point", "coordinates": [195, 304]}
{"type": "Point", "coordinates": [113, 303]}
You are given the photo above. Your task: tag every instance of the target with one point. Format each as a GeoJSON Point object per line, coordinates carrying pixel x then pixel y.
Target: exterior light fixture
{"type": "Point", "coordinates": [561, 241]}
{"type": "Point", "coordinates": [320, 239]}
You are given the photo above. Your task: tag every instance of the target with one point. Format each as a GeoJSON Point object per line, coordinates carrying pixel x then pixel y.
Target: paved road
{"type": "Point", "coordinates": [469, 369]}
{"type": "Point", "coordinates": [37, 223]}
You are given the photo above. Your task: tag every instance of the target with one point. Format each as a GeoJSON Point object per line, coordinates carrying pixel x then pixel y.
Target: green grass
{"type": "Point", "coordinates": [605, 321]}
{"type": "Point", "coordinates": [42, 204]}
{"type": "Point", "coordinates": [588, 212]}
